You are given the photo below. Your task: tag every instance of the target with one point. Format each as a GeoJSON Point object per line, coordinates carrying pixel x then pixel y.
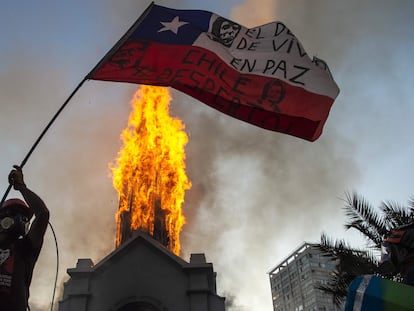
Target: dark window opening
{"type": "Point", "coordinates": [139, 306]}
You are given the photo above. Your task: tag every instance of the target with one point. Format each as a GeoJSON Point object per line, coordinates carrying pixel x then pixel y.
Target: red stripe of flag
{"type": "Point", "coordinates": [262, 75]}
{"type": "Point", "coordinates": [201, 74]}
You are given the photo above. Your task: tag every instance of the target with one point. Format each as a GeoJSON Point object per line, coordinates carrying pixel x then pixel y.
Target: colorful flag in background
{"type": "Point", "coordinates": [370, 292]}
{"type": "Point", "coordinates": [260, 75]}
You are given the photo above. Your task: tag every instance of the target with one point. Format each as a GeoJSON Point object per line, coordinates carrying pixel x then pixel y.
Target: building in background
{"type": "Point", "coordinates": [294, 281]}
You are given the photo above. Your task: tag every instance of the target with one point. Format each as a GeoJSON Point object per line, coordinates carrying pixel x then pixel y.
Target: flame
{"type": "Point", "coordinates": [149, 173]}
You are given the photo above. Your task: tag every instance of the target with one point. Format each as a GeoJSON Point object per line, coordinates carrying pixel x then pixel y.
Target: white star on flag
{"type": "Point", "coordinates": [173, 25]}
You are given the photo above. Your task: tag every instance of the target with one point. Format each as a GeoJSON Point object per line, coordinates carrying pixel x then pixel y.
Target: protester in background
{"type": "Point", "coordinates": [398, 253]}
{"type": "Point", "coordinates": [20, 243]}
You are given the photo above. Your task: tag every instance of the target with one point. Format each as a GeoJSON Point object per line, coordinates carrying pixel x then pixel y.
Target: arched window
{"type": "Point", "coordinates": [139, 306]}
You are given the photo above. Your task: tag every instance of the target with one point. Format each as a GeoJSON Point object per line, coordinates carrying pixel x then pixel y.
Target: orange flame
{"type": "Point", "coordinates": [149, 173]}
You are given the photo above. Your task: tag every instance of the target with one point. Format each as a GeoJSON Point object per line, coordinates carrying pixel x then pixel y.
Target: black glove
{"type": "Point", "coordinates": [16, 178]}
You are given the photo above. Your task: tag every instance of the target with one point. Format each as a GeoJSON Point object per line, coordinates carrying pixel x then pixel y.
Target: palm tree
{"type": "Point", "coordinates": [374, 224]}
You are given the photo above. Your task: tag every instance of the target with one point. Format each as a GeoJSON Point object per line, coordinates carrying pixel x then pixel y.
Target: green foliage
{"type": "Point", "coordinates": [374, 224]}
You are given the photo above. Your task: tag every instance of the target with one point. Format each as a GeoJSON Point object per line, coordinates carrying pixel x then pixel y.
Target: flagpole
{"type": "Point", "coordinates": [43, 134]}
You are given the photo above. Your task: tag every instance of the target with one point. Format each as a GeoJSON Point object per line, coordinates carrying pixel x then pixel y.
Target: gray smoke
{"type": "Point", "coordinates": [256, 194]}
{"type": "Point", "coordinates": [253, 193]}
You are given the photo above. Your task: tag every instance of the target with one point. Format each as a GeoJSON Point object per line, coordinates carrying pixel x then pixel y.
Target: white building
{"type": "Point", "coordinates": [294, 281]}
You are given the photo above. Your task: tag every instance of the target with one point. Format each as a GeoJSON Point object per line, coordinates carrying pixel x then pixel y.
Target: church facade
{"type": "Point", "coordinates": [142, 275]}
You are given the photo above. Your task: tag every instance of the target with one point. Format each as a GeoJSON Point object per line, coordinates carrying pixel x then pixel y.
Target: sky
{"type": "Point", "coordinates": [257, 195]}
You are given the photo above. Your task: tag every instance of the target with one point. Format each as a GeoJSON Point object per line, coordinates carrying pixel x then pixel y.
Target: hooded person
{"type": "Point", "coordinates": [398, 253]}
{"type": "Point", "coordinates": [20, 243]}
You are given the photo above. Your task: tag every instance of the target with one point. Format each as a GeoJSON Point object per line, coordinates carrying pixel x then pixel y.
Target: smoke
{"type": "Point", "coordinates": [256, 194]}
{"type": "Point", "coordinates": [69, 168]}
{"type": "Point", "coordinates": [253, 192]}
{"type": "Point", "coordinates": [231, 303]}
{"type": "Point", "coordinates": [248, 15]}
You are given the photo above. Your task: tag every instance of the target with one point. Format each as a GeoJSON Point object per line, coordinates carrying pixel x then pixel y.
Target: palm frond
{"type": "Point", "coordinates": [350, 263]}
{"type": "Point", "coordinates": [396, 214]}
{"type": "Point", "coordinates": [411, 204]}
{"type": "Point", "coordinates": [337, 287]}
{"type": "Point", "coordinates": [339, 249]}
{"type": "Point", "coordinates": [364, 218]}
{"type": "Point", "coordinates": [374, 224]}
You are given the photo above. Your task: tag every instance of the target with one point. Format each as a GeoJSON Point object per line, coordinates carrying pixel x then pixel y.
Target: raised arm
{"type": "Point", "coordinates": [35, 203]}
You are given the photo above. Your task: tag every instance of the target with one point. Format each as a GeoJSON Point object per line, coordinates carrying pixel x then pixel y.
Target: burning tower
{"type": "Point", "coordinates": [149, 173]}
{"type": "Point", "coordinates": [144, 273]}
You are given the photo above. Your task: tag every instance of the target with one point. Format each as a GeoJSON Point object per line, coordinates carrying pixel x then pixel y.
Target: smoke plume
{"type": "Point", "coordinates": [256, 194]}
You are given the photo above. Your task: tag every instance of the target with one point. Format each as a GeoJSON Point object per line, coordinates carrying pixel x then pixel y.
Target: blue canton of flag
{"type": "Point", "coordinates": [260, 75]}
{"type": "Point", "coordinates": [170, 26]}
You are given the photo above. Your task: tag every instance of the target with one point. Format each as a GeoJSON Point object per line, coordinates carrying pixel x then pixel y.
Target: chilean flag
{"type": "Point", "coordinates": [260, 75]}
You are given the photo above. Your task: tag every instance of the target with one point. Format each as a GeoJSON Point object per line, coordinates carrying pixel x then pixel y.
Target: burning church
{"type": "Point", "coordinates": [145, 272]}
